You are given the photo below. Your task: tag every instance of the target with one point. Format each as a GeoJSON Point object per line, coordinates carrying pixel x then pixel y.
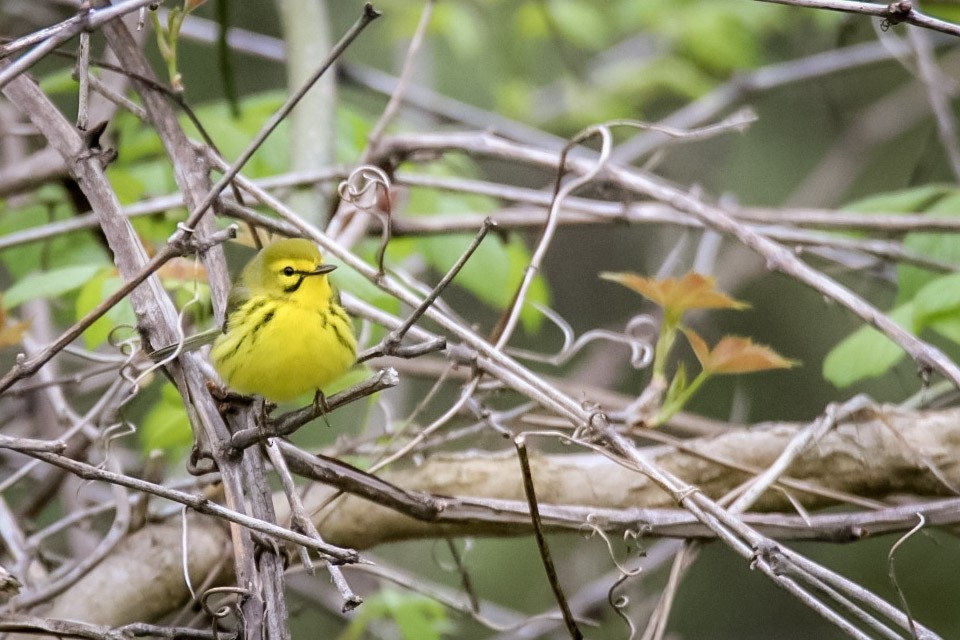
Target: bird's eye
{"type": "Point", "coordinates": [288, 271]}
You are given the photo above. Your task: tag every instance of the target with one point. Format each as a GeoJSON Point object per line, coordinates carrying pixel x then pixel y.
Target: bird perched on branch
{"type": "Point", "coordinates": [285, 332]}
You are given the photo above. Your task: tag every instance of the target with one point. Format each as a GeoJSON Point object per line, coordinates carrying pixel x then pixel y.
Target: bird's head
{"type": "Point", "coordinates": [291, 267]}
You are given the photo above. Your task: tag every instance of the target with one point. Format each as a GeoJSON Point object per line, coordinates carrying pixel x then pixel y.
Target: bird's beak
{"type": "Point", "coordinates": [324, 268]}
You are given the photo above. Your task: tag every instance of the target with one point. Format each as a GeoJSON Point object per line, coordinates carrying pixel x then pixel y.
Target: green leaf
{"type": "Point", "coordinates": [59, 82]}
{"type": "Point", "coordinates": [580, 22]}
{"type": "Point", "coordinates": [128, 187]}
{"type": "Point", "coordinates": [937, 306]}
{"type": "Point", "coordinates": [462, 26]}
{"type": "Point", "coordinates": [233, 134]}
{"type": "Point", "coordinates": [939, 297]}
{"type": "Point", "coordinates": [947, 327]}
{"type": "Point", "coordinates": [937, 246]}
{"type": "Point", "coordinates": [65, 250]}
{"type": "Point", "coordinates": [912, 200]}
{"type": "Point", "coordinates": [416, 617]}
{"type": "Point", "coordinates": [530, 21]}
{"type": "Point", "coordinates": [104, 284]}
{"type": "Point", "coordinates": [866, 353]}
{"type": "Point", "coordinates": [717, 39]}
{"type": "Point", "coordinates": [166, 425]}
{"type": "Point", "coordinates": [49, 284]}
{"type": "Point", "coordinates": [353, 130]}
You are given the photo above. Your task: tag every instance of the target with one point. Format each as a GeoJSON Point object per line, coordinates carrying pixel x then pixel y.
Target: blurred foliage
{"type": "Point", "coordinates": [412, 616]}
{"type": "Point", "coordinates": [606, 60]}
{"type": "Point", "coordinates": [925, 299]}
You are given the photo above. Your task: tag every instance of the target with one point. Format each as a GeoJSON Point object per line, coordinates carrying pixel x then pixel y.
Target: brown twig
{"type": "Point", "coordinates": [290, 422]}
{"type": "Point", "coordinates": [572, 628]}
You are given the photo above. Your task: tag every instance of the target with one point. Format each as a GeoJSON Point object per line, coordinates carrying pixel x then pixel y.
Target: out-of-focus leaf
{"type": "Point", "coordinates": [233, 134]}
{"type": "Point", "coordinates": [937, 306]}
{"type": "Point", "coordinates": [717, 39]}
{"type": "Point", "coordinates": [352, 132]}
{"type": "Point", "coordinates": [462, 27]}
{"type": "Point", "coordinates": [668, 75]}
{"type": "Point", "coordinates": [417, 617]}
{"type": "Point", "coordinates": [912, 200]}
{"type": "Point", "coordinates": [948, 327]}
{"type": "Point", "coordinates": [531, 22]}
{"type": "Point", "coordinates": [61, 251]}
{"type": "Point", "coordinates": [49, 284]}
{"type": "Point", "coordinates": [104, 284]}
{"type": "Point", "coordinates": [166, 425]}
{"type": "Point", "coordinates": [937, 246]}
{"type": "Point", "coordinates": [59, 82]}
{"type": "Point", "coordinates": [486, 274]}
{"type": "Point", "coordinates": [580, 22]}
{"type": "Point", "coordinates": [127, 186]}
{"type": "Point", "coordinates": [937, 298]}
{"type": "Point", "coordinates": [866, 353]}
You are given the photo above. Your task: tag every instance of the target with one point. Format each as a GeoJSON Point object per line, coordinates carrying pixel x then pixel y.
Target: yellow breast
{"type": "Point", "coordinates": [281, 348]}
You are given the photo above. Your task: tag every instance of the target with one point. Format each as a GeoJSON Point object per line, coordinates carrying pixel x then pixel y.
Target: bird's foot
{"type": "Point", "coordinates": [321, 407]}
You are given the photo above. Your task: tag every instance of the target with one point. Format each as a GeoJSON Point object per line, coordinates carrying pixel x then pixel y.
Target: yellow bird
{"type": "Point", "coordinates": [285, 331]}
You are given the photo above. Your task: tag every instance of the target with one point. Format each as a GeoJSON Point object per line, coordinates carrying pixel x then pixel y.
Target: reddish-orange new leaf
{"type": "Point", "coordinates": [677, 295]}
{"type": "Point", "coordinates": [736, 354]}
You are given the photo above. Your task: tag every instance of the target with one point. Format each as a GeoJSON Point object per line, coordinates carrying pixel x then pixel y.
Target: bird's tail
{"type": "Point", "coordinates": [190, 343]}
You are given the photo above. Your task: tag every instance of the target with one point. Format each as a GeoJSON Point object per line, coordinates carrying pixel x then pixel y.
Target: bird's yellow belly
{"type": "Point", "coordinates": [288, 351]}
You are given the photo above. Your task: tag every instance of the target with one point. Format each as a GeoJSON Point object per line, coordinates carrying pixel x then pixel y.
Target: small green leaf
{"type": "Point", "coordinates": [59, 82]}
{"type": "Point", "coordinates": [462, 26]}
{"type": "Point", "coordinates": [166, 425]}
{"type": "Point", "coordinates": [416, 617]}
{"type": "Point", "coordinates": [866, 353]}
{"type": "Point", "coordinates": [718, 39]}
{"type": "Point", "coordinates": [939, 297]}
{"type": "Point", "coordinates": [530, 21]}
{"type": "Point", "coordinates": [580, 22]}
{"type": "Point", "coordinates": [947, 327]}
{"type": "Point", "coordinates": [912, 200]}
{"type": "Point", "coordinates": [97, 289]}
{"type": "Point", "coordinates": [49, 284]}
{"type": "Point", "coordinates": [937, 246]}
{"type": "Point", "coordinates": [128, 187]}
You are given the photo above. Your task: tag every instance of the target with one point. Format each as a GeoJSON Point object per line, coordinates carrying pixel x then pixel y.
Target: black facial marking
{"type": "Point", "coordinates": [295, 285]}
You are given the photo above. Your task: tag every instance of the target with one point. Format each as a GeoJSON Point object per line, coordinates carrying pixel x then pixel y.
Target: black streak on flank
{"type": "Point", "coordinates": [267, 317]}
{"type": "Point", "coordinates": [240, 315]}
{"type": "Point", "coordinates": [341, 339]}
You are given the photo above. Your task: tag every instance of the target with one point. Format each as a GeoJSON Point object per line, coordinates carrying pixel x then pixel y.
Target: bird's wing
{"type": "Point", "coordinates": [239, 294]}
